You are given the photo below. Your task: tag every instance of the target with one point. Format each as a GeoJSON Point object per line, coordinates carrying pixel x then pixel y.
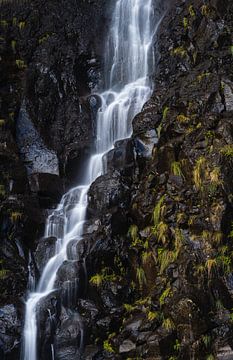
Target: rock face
{"type": "Point", "coordinates": [153, 274]}
{"type": "Point", "coordinates": [50, 60]}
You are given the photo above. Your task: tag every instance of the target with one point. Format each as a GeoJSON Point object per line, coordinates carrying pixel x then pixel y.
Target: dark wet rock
{"type": "Point", "coordinates": [36, 156]}
{"type": "Point", "coordinates": [127, 346]}
{"type": "Point", "coordinates": [121, 157]}
{"type": "Point", "coordinates": [107, 192]}
{"type": "Point", "coordinates": [68, 340]}
{"type": "Point", "coordinates": [225, 353]}
{"type": "Point", "coordinates": [10, 328]}
{"type": "Point", "coordinates": [45, 250]}
{"type": "Point", "coordinates": [48, 187]}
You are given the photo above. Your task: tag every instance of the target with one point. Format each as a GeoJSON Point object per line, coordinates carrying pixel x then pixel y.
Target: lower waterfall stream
{"type": "Point", "coordinates": [128, 63]}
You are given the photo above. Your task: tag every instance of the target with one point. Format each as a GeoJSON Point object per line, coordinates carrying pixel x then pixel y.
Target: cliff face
{"type": "Point", "coordinates": [50, 60]}
{"type": "Point", "coordinates": [158, 241]}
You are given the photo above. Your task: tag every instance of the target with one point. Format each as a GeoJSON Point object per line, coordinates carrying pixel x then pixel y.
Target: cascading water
{"type": "Point", "coordinates": [129, 56]}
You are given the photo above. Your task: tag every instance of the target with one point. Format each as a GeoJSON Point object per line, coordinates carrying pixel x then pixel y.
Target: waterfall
{"type": "Point", "coordinates": [128, 61]}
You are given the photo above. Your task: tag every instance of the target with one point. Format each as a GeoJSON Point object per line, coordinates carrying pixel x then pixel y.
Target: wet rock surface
{"type": "Point", "coordinates": [152, 276]}
{"type": "Point", "coordinates": [50, 60]}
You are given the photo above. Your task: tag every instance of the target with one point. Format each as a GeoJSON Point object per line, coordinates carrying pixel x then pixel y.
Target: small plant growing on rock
{"type": "Point", "coordinates": [168, 324]}
{"type": "Point", "coordinates": [152, 315]}
{"type": "Point", "coordinates": [202, 76]}
{"type": "Point", "coordinates": [210, 357]}
{"type": "Point", "coordinates": [182, 118]}
{"type": "Point", "coordinates": [165, 258]}
{"type": "Point", "coordinates": [225, 263]}
{"type": "Point", "coordinates": [133, 232]}
{"type": "Point", "coordinates": [210, 265]}
{"type": "Point", "coordinates": [165, 112]}
{"type": "Point", "coordinates": [227, 150]}
{"type": "Point", "coordinates": [13, 45]}
{"type": "Point", "coordinates": [3, 272]}
{"type": "Point", "coordinates": [20, 64]}
{"type": "Point", "coordinates": [161, 232]}
{"type": "Point", "coordinates": [179, 51]}
{"type": "Point", "coordinates": [177, 346]}
{"type": "Point", "coordinates": [176, 168]}
{"type": "Point", "coordinates": [2, 191]}
{"type": "Point", "coordinates": [44, 38]}
{"type": "Point", "coordinates": [185, 23]}
{"type": "Point", "coordinates": [108, 347]}
{"type": "Point", "coordinates": [166, 293]}
{"type": "Point", "coordinates": [192, 11]}
{"type": "Point", "coordinates": [15, 216]}
{"type": "Point", "coordinates": [129, 308]}
{"type": "Point", "coordinates": [206, 339]}
{"type": "Point", "coordinates": [158, 211]}
{"type": "Point", "coordinates": [215, 176]}
{"type": "Point", "coordinates": [205, 10]}
{"type": "Point", "coordinates": [231, 49]}
{"type": "Point", "coordinates": [147, 256]}
{"type": "Point", "coordinates": [180, 217]}
{"type": "Point", "coordinates": [22, 25]}
{"type": "Point", "coordinates": [3, 23]}
{"type": "Point", "coordinates": [199, 172]}
{"type": "Point", "coordinates": [96, 280]}
{"type": "Point", "coordinates": [141, 277]}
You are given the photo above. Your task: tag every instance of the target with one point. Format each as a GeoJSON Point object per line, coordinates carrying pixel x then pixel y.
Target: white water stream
{"type": "Point", "coordinates": [128, 58]}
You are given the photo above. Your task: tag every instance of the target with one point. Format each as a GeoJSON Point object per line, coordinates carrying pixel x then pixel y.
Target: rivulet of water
{"type": "Point", "coordinates": [128, 62]}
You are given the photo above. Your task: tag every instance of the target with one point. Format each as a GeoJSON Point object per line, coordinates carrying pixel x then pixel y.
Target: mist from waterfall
{"type": "Point", "coordinates": [128, 62]}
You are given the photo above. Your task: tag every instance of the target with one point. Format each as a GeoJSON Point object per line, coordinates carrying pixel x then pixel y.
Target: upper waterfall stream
{"type": "Point", "coordinates": [128, 62]}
